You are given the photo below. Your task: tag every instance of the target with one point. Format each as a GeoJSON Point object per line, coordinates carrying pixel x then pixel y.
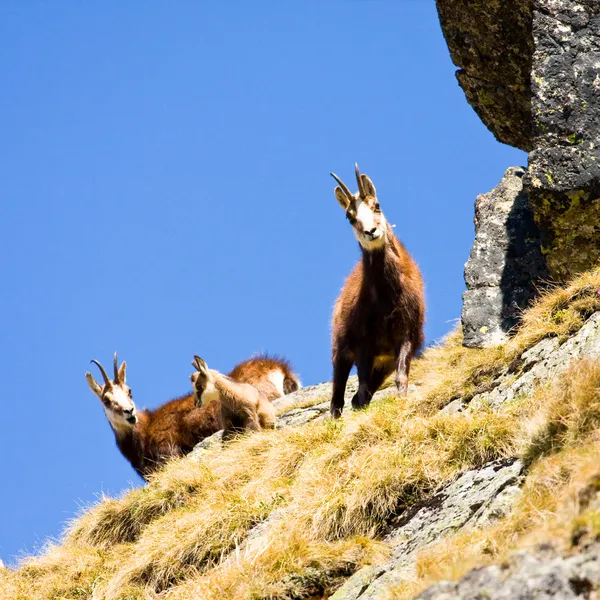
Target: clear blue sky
{"type": "Point", "coordinates": [165, 191]}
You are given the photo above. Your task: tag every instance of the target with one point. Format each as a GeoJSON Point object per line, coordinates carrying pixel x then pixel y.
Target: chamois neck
{"type": "Point", "coordinates": [382, 267]}
{"type": "Point", "coordinates": [129, 441]}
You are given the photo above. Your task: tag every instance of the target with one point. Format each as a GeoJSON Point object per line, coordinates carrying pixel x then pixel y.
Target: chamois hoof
{"type": "Point", "coordinates": [335, 412]}
{"type": "Point", "coordinates": [402, 385]}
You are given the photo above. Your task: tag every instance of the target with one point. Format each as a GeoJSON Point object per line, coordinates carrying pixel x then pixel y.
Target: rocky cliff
{"type": "Point", "coordinates": [531, 71]}
{"type": "Point", "coordinates": [486, 477]}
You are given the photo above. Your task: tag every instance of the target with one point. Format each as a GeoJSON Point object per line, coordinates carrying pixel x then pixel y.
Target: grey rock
{"type": "Point", "coordinates": [477, 497]}
{"type": "Point", "coordinates": [491, 42]}
{"type": "Point", "coordinates": [531, 71]}
{"type": "Point", "coordinates": [211, 442]}
{"type": "Point", "coordinates": [505, 268]}
{"type": "Point", "coordinates": [563, 180]}
{"type": "Point", "coordinates": [542, 362]}
{"type": "Point", "coordinates": [542, 574]}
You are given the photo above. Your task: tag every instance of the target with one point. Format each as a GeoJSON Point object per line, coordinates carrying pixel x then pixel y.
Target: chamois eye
{"type": "Point", "coordinates": [130, 394]}
{"type": "Point", "coordinates": [351, 216]}
{"type": "Point", "coordinates": [377, 208]}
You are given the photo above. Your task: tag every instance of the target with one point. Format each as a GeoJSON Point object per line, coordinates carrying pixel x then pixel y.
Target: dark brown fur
{"type": "Point", "coordinates": [172, 429]}
{"type": "Point", "coordinates": [378, 318]}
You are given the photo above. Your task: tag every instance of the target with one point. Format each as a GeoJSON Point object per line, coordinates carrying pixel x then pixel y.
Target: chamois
{"type": "Point", "coordinates": [378, 318]}
{"type": "Point", "coordinates": [148, 438]}
{"type": "Point", "coordinates": [243, 406]}
{"type": "Point", "coordinates": [272, 376]}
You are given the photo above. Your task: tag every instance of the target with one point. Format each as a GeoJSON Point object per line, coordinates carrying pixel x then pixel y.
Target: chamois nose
{"type": "Point", "coordinates": [371, 232]}
{"type": "Point", "coordinates": [130, 415]}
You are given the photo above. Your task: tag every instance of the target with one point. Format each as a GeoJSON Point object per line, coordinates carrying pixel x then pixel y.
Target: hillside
{"type": "Point", "coordinates": [492, 460]}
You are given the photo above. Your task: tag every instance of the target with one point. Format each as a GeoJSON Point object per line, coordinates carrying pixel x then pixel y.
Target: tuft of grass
{"type": "Point", "coordinates": [570, 410]}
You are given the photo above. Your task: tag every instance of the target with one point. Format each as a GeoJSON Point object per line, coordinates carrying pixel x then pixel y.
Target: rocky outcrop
{"type": "Point", "coordinates": [543, 573]}
{"type": "Point", "coordinates": [477, 497]}
{"type": "Point", "coordinates": [506, 266]}
{"type": "Point", "coordinates": [564, 166]}
{"type": "Point", "coordinates": [531, 71]}
{"type": "Point", "coordinates": [491, 42]}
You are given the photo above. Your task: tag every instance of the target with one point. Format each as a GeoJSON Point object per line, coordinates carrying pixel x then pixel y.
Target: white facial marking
{"type": "Point", "coordinates": [119, 397]}
{"type": "Point", "coordinates": [209, 393]}
{"type": "Point", "coordinates": [366, 217]}
{"type": "Point", "coordinates": [276, 377]}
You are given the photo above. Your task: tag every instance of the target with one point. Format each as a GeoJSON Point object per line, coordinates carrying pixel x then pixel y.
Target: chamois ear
{"type": "Point", "coordinates": [94, 385]}
{"type": "Point", "coordinates": [368, 186]}
{"type": "Point", "coordinates": [342, 198]}
{"type": "Point", "coordinates": [200, 365]}
{"type": "Point", "coordinates": [122, 370]}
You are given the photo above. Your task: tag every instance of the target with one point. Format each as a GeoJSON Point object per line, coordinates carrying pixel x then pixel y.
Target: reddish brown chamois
{"type": "Point", "coordinates": [379, 316]}
{"type": "Point", "coordinates": [148, 438]}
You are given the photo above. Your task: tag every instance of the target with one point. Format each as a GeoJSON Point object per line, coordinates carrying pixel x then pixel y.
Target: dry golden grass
{"type": "Point", "coordinates": [560, 502]}
{"type": "Point", "coordinates": [327, 490]}
{"type": "Point", "coordinates": [450, 371]}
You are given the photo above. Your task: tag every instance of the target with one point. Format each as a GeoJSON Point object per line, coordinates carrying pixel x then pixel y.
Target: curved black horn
{"type": "Point", "coordinates": [104, 375]}
{"type": "Point", "coordinates": [361, 187]}
{"type": "Point", "coordinates": [343, 186]}
{"type": "Point", "coordinates": [116, 369]}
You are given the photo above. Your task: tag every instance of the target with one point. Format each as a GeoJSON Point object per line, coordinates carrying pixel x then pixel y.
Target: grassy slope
{"type": "Point", "coordinates": [328, 488]}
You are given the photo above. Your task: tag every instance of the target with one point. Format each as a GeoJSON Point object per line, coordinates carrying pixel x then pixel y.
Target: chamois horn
{"type": "Point", "coordinates": [116, 369]}
{"type": "Point", "coordinates": [104, 375]}
{"type": "Point", "coordinates": [343, 186]}
{"type": "Point", "coordinates": [361, 187]}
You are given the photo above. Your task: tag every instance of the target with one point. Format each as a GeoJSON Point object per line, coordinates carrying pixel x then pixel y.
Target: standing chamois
{"type": "Point", "coordinates": [148, 438]}
{"type": "Point", "coordinates": [378, 318]}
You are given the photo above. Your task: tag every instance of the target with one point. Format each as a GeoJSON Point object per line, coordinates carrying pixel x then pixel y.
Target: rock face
{"type": "Point", "coordinates": [564, 166]}
{"type": "Point", "coordinates": [490, 40]}
{"type": "Point", "coordinates": [506, 264]}
{"type": "Point", "coordinates": [477, 497]}
{"type": "Point", "coordinates": [531, 71]}
{"type": "Point", "coordinates": [543, 574]}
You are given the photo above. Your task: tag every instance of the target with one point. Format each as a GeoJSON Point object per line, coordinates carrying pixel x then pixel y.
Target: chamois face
{"type": "Point", "coordinates": [363, 212]}
{"type": "Point", "coordinates": [115, 396]}
{"type": "Point", "coordinates": [203, 383]}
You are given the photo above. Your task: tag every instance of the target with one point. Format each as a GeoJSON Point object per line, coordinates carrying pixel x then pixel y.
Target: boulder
{"type": "Point", "coordinates": [506, 266]}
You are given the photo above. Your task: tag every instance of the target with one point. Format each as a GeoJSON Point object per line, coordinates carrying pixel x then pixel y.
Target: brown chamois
{"type": "Point", "coordinates": [273, 376]}
{"type": "Point", "coordinates": [243, 406]}
{"type": "Point", "coordinates": [148, 438]}
{"type": "Point", "coordinates": [379, 316]}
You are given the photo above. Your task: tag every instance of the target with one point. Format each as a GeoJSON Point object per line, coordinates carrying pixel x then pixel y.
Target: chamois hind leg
{"type": "Point", "coordinates": [239, 402]}
{"type": "Point", "coordinates": [365, 367]}
{"type": "Point", "coordinates": [405, 355]}
{"type": "Point", "coordinates": [341, 370]}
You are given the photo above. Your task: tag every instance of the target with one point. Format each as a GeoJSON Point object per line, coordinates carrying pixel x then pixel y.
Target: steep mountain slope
{"type": "Point", "coordinates": [494, 451]}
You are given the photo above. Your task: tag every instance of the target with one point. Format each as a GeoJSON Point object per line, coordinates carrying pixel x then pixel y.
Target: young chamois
{"type": "Point", "coordinates": [378, 318]}
{"type": "Point", "coordinates": [243, 405]}
{"type": "Point", "coordinates": [148, 438]}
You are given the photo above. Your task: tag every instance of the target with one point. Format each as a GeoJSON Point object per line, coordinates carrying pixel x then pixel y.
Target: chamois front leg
{"type": "Point", "coordinates": [364, 367]}
{"type": "Point", "coordinates": [341, 369]}
{"type": "Point", "coordinates": [405, 355]}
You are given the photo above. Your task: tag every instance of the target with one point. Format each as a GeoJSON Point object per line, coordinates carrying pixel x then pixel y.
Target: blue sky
{"type": "Point", "coordinates": [165, 191]}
